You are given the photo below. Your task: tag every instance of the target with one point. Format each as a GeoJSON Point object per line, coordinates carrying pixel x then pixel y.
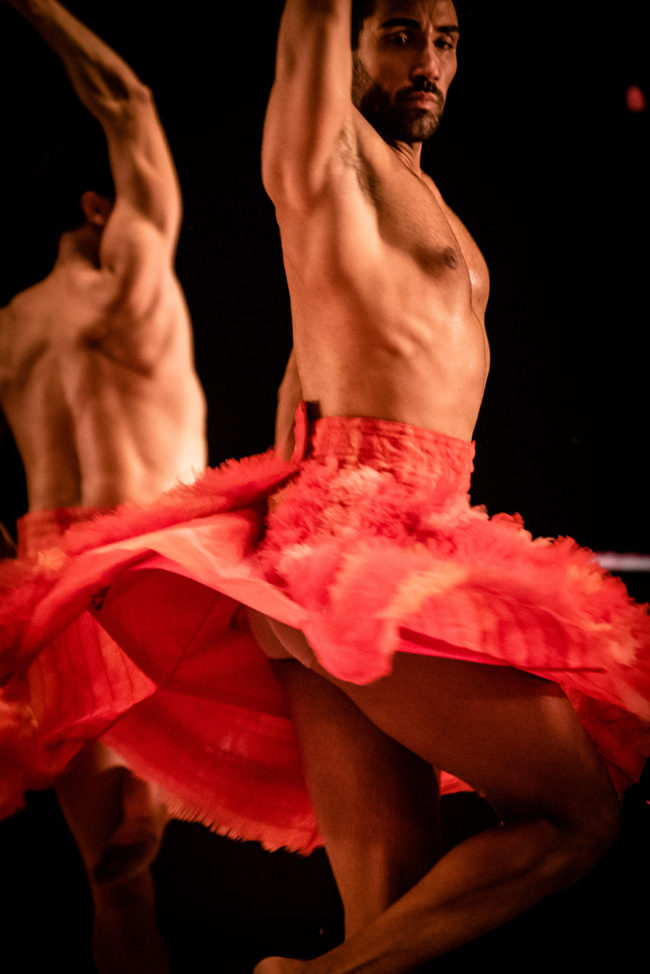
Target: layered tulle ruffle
{"type": "Point", "coordinates": [367, 542]}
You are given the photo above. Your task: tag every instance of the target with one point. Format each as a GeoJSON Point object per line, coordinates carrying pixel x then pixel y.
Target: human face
{"type": "Point", "coordinates": [404, 64]}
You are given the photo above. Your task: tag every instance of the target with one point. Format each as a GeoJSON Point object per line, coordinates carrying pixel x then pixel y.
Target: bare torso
{"type": "Point", "coordinates": [101, 409]}
{"type": "Point", "coordinates": [388, 293]}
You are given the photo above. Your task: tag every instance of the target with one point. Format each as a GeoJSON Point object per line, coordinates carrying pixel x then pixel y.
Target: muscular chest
{"type": "Point", "coordinates": [409, 217]}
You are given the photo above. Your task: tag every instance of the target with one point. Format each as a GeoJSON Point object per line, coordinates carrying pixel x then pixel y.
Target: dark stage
{"type": "Point", "coordinates": [543, 158]}
{"type": "Point", "coordinates": [223, 905]}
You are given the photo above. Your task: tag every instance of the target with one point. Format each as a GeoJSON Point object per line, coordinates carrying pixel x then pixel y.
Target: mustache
{"type": "Point", "coordinates": [424, 84]}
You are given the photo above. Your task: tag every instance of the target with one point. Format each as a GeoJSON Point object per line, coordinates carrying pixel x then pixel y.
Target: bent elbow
{"type": "Point", "coordinates": [127, 99]}
{"type": "Point", "coordinates": [141, 95]}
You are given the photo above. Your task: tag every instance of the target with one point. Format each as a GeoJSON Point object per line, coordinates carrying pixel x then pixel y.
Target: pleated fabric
{"type": "Point", "coordinates": [368, 543]}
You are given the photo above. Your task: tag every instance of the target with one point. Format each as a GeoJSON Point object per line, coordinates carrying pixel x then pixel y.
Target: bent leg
{"type": "Point", "coordinates": [135, 843]}
{"type": "Point", "coordinates": [117, 823]}
{"type": "Point", "coordinates": [376, 803]}
{"type": "Point", "coordinates": [516, 739]}
{"type": "Point", "coordinates": [116, 818]}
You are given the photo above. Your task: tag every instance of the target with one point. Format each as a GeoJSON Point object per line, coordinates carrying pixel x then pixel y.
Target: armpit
{"type": "Point", "coordinates": [349, 152]}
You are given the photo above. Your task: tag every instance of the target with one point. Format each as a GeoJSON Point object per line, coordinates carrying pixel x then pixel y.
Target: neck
{"type": "Point", "coordinates": [410, 153]}
{"type": "Point", "coordinates": [81, 244]}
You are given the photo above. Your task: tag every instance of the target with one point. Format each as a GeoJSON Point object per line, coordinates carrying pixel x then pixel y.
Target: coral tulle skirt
{"type": "Point", "coordinates": [133, 627]}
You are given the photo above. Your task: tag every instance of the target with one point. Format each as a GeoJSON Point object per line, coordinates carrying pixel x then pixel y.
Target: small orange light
{"type": "Point", "coordinates": [635, 99]}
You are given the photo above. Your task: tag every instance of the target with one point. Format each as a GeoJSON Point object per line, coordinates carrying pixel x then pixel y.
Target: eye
{"type": "Point", "coordinates": [444, 44]}
{"type": "Point", "coordinates": [399, 39]}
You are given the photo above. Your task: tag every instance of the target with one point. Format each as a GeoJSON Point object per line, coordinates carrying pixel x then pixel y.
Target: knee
{"type": "Point", "coordinates": [602, 828]}
{"type": "Point", "coordinates": [565, 842]}
{"type": "Point", "coordinates": [585, 842]}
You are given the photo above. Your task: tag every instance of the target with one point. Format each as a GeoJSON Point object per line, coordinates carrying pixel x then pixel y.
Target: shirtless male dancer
{"type": "Point", "coordinates": [98, 385]}
{"type": "Point", "coordinates": [388, 294]}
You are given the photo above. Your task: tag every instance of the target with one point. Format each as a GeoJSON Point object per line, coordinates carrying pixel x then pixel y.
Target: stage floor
{"type": "Point", "coordinates": [223, 905]}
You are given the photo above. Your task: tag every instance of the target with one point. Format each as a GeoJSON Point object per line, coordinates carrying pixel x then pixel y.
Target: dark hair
{"type": "Point", "coordinates": [360, 10]}
{"type": "Point", "coordinates": [65, 170]}
{"type": "Point", "coordinates": [364, 8]}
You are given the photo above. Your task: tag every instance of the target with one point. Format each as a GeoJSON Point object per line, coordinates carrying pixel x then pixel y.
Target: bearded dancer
{"type": "Point", "coordinates": [516, 666]}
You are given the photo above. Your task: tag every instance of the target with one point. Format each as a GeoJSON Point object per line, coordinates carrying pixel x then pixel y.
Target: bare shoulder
{"type": "Point", "coordinates": [19, 325]}
{"type": "Point", "coordinates": [27, 321]}
{"type": "Point", "coordinates": [64, 297]}
{"type": "Point", "coordinates": [24, 308]}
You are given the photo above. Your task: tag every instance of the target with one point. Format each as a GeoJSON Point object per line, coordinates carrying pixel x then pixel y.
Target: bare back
{"type": "Point", "coordinates": [97, 378]}
{"type": "Point", "coordinates": [388, 289]}
{"type": "Point", "coordinates": [101, 410]}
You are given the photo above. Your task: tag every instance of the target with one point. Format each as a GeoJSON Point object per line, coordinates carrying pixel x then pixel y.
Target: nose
{"type": "Point", "coordinates": [427, 65]}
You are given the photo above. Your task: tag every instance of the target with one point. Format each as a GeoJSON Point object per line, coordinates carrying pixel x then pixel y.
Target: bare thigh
{"type": "Point", "coordinates": [346, 753]}
{"type": "Point", "coordinates": [376, 802]}
{"type": "Point", "coordinates": [512, 736]}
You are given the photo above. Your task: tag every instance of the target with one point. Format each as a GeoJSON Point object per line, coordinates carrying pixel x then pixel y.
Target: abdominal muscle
{"type": "Point", "coordinates": [429, 372]}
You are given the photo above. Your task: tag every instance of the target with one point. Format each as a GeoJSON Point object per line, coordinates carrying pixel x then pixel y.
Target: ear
{"type": "Point", "coordinates": [95, 208]}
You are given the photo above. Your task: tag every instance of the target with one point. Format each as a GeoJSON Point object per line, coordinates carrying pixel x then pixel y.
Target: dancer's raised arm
{"type": "Point", "coordinates": [310, 103]}
{"type": "Point", "coordinates": [142, 227]}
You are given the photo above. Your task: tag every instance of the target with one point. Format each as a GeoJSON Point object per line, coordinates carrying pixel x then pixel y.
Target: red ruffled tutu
{"type": "Point", "coordinates": [367, 542]}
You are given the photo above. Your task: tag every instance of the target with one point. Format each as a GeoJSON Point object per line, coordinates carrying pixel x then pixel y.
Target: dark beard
{"type": "Point", "coordinates": [395, 121]}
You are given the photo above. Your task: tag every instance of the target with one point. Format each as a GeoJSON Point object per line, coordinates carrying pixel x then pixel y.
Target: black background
{"type": "Point", "coordinates": [537, 153]}
{"type": "Point", "coordinates": [541, 158]}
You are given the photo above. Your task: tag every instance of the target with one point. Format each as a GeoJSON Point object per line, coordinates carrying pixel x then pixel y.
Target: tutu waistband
{"type": "Point", "coordinates": [411, 454]}
{"type": "Point", "coordinates": [40, 529]}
